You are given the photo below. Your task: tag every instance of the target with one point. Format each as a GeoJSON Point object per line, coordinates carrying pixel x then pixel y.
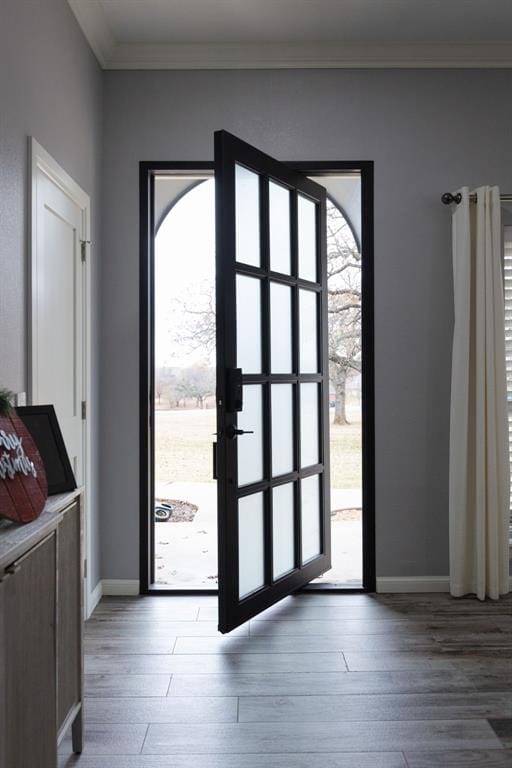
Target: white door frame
{"type": "Point", "coordinates": [41, 160]}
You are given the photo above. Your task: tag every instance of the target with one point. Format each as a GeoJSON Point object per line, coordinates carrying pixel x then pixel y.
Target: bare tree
{"type": "Point", "coordinates": [165, 385]}
{"type": "Point", "coordinates": [344, 287]}
{"type": "Point", "coordinates": [159, 386]}
{"type": "Point", "coordinates": [197, 383]}
{"type": "Point", "coordinates": [197, 311]}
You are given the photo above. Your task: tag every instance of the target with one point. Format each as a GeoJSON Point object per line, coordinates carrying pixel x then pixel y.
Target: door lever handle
{"type": "Point", "coordinates": [232, 431]}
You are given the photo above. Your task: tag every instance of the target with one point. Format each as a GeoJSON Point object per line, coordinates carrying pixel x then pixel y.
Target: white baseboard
{"type": "Point", "coordinates": [93, 598]}
{"type": "Point", "coordinates": [413, 584]}
{"type": "Point", "coordinates": [120, 587]}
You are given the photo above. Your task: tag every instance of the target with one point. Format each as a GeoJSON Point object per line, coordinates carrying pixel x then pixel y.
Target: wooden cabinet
{"type": "Point", "coordinates": [40, 638]}
{"type": "Point", "coordinates": [69, 625]}
{"type": "Point", "coordinates": [3, 678]}
{"type": "Point", "coordinates": [30, 656]}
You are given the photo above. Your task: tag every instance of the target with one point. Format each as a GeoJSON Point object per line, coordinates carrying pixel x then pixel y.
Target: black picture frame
{"type": "Point", "coordinates": [41, 421]}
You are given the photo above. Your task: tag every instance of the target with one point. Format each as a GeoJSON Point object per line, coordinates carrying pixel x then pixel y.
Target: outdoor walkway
{"type": "Point", "coordinates": [186, 553]}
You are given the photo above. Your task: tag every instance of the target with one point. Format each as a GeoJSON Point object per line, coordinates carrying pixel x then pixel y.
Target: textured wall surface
{"type": "Point", "coordinates": [51, 89]}
{"type": "Point", "coordinates": [427, 131]}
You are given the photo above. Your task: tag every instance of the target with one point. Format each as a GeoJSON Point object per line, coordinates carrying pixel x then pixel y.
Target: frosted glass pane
{"type": "Point", "coordinates": [247, 207]}
{"type": "Point", "coordinates": [283, 524]}
{"type": "Point", "coordinates": [282, 429]}
{"type": "Point", "coordinates": [280, 328]}
{"type": "Point", "coordinates": [310, 518]}
{"type": "Point", "coordinates": [250, 447]}
{"type": "Point", "coordinates": [279, 223]}
{"type": "Point", "coordinates": [251, 571]}
{"type": "Point", "coordinates": [307, 238]}
{"type": "Point", "coordinates": [308, 339]}
{"type": "Point", "coordinates": [309, 438]}
{"type": "Point", "coordinates": [248, 324]}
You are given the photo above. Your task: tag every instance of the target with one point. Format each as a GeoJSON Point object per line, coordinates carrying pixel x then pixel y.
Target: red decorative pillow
{"type": "Point", "coordinates": [23, 486]}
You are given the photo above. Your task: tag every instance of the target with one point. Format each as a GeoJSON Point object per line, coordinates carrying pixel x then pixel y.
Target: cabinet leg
{"type": "Point", "coordinates": [77, 733]}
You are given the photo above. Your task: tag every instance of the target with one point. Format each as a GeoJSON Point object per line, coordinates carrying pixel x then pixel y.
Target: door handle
{"type": "Point", "coordinates": [231, 431]}
{"type": "Point", "coordinates": [215, 473]}
{"type": "Point", "coordinates": [234, 390]}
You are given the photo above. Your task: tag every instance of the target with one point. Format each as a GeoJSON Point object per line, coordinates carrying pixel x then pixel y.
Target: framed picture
{"type": "Point", "coordinates": [41, 422]}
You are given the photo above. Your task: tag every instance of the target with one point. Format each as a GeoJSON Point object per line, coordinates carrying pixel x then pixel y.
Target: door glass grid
{"type": "Point", "coordinates": [247, 216]}
{"type": "Point", "coordinates": [282, 429]}
{"type": "Point", "coordinates": [265, 347]}
{"type": "Point", "coordinates": [280, 328]}
{"type": "Point", "coordinates": [251, 555]}
{"type": "Point", "coordinates": [283, 529]}
{"type": "Point", "coordinates": [310, 518]}
{"type": "Point", "coordinates": [279, 228]}
{"type": "Point", "coordinates": [307, 241]}
{"type": "Point", "coordinates": [309, 426]}
{"type": "Point", "coordinates": [308, 332]}
{"type": "Point", "coordinates": [248, 323]}
{"type": "Point", "coordinates": [250, 448]}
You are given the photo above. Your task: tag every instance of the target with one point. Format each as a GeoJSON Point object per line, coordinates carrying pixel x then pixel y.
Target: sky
{"type": "Point", "coordinates": [184, 273]}
{"type": "Point", "coordinates": [184, 252]}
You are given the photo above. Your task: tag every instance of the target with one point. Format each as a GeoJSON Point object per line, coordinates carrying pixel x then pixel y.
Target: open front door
{"type": "Point", "coordinates": [272, 457]}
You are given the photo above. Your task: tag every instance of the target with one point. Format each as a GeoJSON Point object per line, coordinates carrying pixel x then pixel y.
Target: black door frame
{"type": "Point", "coordinates": [147, 172]}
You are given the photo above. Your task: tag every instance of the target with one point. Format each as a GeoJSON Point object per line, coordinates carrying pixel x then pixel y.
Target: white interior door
{"type": "Point", "coordinates": [57, 373]}
{"type": "Point", "coordinates": [59, 370]}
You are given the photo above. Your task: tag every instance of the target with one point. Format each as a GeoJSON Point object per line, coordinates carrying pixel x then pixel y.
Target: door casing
{"type": "Point", "coordinates": [42, 162]}
{"type": "Point", "coordinates": [147, 172]}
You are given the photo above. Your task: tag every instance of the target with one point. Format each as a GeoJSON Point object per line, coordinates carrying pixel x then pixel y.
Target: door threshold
{"type": "Point", "coordinates": [335, 588]}
{"type": "Point", "coordinates": [340, 587]}
{"type": "Point", "coordinates": [164, 589]}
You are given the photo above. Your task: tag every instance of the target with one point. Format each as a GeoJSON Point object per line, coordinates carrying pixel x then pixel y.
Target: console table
{"type": "Point", "coordinates": [41, 620]}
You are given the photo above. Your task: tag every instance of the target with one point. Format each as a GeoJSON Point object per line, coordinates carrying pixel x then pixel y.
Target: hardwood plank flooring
{"type": "Point", "coordinates": [317, 681]}
{"type": "Point", "coordinates": [290, 760]}
{"type": "Point", "coordinates": [301, 644]}
{"type": "Point", "coordinates": [319, 737]}
{"type": "Point", "coordinates": [126, 685]}
{"type": "Point", "coordinates": [158, 709]}
{"type": "Point", "coordinates": [360, 706]}
{"type": "Point", "coordinates": [304, 684]}
{"type": "Point", "coordinates": [503, 729]}
{"type": "Point", "coordinates": [460, 759]}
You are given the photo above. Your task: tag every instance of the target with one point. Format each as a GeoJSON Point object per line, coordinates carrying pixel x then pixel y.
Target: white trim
{"type": "Point", "coordinates": [307, 56]}
{"type": "Point", "coordinates": [416, 584]}
{"type": "Point", "coordinates": [41, 160]}
{"type": "Point", "coordinates": [91, 18]}
{"type": "Point", "coordinates": [283, 55]}
{"type": "Point", "coordinates": [120, 586]}
{"type": "Point", "coordinates": [413, 584]}
{"type": "Point", "coordinates": [93, 598]}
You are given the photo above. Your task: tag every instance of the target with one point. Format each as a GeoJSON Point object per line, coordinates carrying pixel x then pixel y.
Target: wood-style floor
{"type": "Point", "coordinates": [318, 681]}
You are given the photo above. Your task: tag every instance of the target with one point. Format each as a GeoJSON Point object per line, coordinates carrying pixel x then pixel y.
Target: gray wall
{"type": "Point", "coordinates": [50, 88]}
{"type": "Point", "coordinates": [427, 131]}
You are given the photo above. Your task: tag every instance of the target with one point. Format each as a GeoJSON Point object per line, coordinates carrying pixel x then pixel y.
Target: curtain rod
{"type": "Point", "coordinates": [448, 198]}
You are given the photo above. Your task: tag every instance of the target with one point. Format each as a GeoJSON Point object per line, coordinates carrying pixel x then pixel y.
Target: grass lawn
{"type": "Point", "coordinates": [184, 438]}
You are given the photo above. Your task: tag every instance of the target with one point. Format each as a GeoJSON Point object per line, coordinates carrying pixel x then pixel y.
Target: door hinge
{"type": "Point", "coordinates": [85, 569]}
{"type": "Point", "coordinates": [84, 410]}
{"type": "Point", "coordinates": [83, 248]}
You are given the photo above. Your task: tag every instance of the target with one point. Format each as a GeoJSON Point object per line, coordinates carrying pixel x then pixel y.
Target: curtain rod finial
{"type": "Point", "coordinates": [448, 198]}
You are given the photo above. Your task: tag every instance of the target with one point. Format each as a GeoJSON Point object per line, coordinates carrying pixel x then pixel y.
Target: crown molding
{"type": "Point", "coordinates": [95, 27]}
{"type": "Point", "coordinates": [335, 55]}
{"type": "Point", "coordinates": [310, 56]}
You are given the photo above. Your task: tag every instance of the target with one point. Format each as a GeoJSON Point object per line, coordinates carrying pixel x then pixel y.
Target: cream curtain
{"type": "Point", "coordinates": [479, 460]}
